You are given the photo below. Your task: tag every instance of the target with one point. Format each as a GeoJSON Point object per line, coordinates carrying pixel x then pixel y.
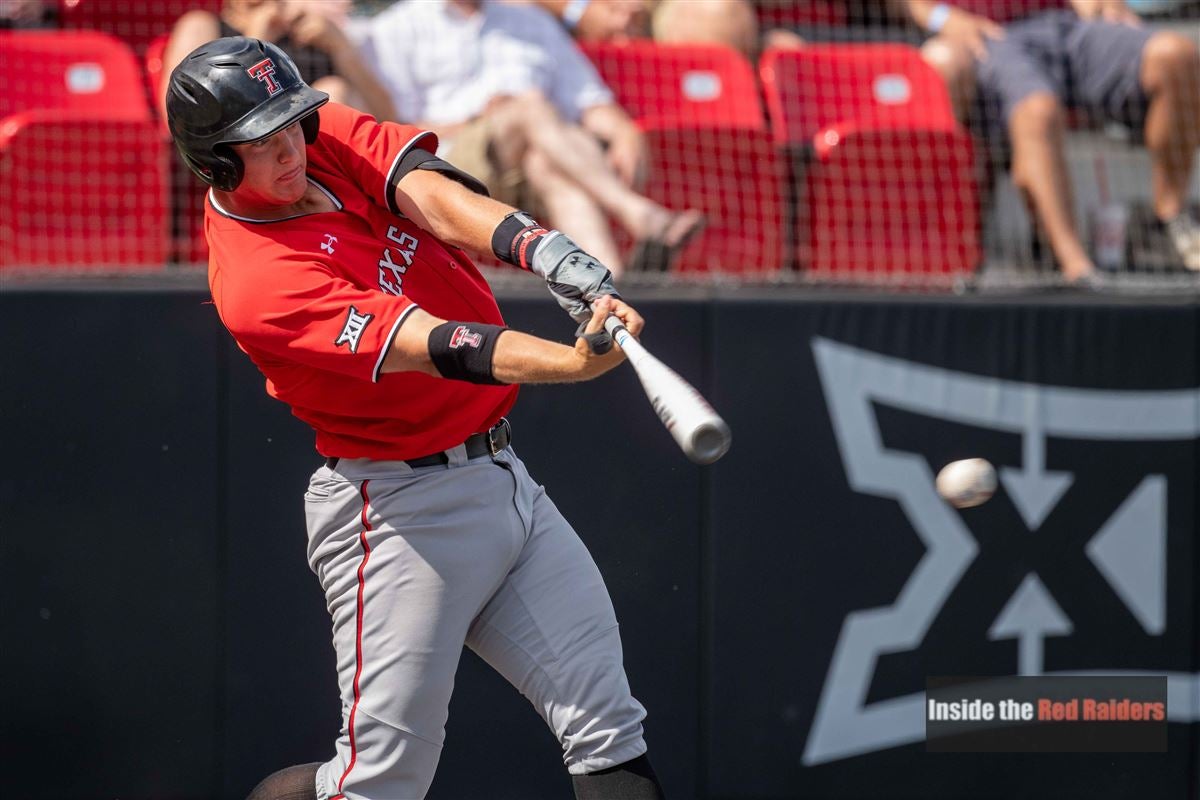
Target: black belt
{"type": "Point", "coordinates": [478, 444]}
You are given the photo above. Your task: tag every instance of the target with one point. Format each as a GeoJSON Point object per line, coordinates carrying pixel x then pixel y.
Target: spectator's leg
{"type": "Point", "coordinates": [956, 64]}
{"type": "Point", "coordinates": [1036, 126]}
{"type": "Point", "coordinates": [532, 121]}
{"type": "Point", "coordinates": [1171, 78]}
{"type": "Point", "coordinates": [572, 210]}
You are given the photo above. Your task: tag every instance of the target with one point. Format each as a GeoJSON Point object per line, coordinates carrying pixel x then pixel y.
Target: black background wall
{"type": "Point", "coordinates": [165, 639]}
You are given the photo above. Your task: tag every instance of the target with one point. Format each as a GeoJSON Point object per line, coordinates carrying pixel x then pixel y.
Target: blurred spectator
{"type": "Point", "coordinates": [307, 30]}
{"type": "Point", "coordinates": [25, 13]}
{"type": "Point", "coordinates": [516, 104]}
{"type": "Point", "coordinates": [1020, 62]}
{"type": "Point", "coordinates": [600, 20]}
{"type": "Point", "coordinates": [733, 23]}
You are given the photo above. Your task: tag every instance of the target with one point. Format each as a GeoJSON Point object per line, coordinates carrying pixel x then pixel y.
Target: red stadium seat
{"type": "Point", "coordinates": [791, 14]}
{"type": "Point", "coordinates": [188, 245]}
{"type": "Point", "coordinates": [889, 175]}
{"type": "Point", "coordinates": [82, 164]}
{"type": "Point", "coordinates": [710, 149]}
{"type": "Point", "coordinates": [136, 23]}
{"type": "Point", "coordinates": [154, 73]}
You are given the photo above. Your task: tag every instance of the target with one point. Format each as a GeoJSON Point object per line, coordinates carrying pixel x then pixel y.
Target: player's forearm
{"type": "Point", "coordinates": [450, 211]}
{"type": "Point", "coordinates": [521, 358]}
{"type": "Point", "coordinates": [516, 358]}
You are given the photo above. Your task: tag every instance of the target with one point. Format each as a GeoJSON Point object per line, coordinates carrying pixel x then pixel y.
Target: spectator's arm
{"type": "Point", "coordinates": [599, 20]}
{"type": "Point", "coordinates": [953, 23]}
{"type": "Point", "coordinates": [314, 29]}
{"type": "Point", "coordinates": [191, 30]}
{"type": "Point", "coordinates": [626, 145]}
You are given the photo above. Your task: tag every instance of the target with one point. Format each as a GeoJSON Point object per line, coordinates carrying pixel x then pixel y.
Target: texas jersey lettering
{"type": "Point", "coordinates": [391, 273]}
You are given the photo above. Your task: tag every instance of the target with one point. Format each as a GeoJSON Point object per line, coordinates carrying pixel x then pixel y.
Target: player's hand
{"type": "Point", "coordinates": [266, 21]}
{"type": "Point", "coordinates": [971, 30]}
{"type": "Point", "coordinates": [314, 29]}
{"type": "Point", "coordinates": [590, 361]}
{"type": "Point", "coordinates": [573, 277]}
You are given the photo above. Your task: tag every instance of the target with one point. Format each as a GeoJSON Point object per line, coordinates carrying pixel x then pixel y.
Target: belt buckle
{"type": "Point", "coordinates": [492, 437]}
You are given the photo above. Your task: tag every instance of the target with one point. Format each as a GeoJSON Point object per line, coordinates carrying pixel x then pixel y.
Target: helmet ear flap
{"type": "Point", "coordinates": [229, 169]}
{"type": "Point", "coordinates": [311, 125]}
{"type": "Point", "coordinates": [223, 170]}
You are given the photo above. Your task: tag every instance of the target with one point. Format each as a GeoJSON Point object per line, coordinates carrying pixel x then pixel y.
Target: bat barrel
{"type": "Point", "coordinates": [708, 442]}
{"type": "Point", "coordinates": [697, 429]}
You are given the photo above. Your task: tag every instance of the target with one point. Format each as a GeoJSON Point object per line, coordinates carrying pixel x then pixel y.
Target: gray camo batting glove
{"type": "Point", "coordinates": [573, 277]}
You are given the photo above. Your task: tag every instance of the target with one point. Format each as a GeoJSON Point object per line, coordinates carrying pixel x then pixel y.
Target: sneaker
{"type": "Point", "coordinates": [1184, 234]}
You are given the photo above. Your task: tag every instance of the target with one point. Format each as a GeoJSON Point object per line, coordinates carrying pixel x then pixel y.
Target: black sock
{"type": "Point", "coordinates": [293, 783]}
{"type": "Point", "coordinates": [633, 780]}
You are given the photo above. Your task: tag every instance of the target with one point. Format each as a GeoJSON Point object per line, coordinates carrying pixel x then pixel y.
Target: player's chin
{"type": "Point", "coordinates": [290, 190]}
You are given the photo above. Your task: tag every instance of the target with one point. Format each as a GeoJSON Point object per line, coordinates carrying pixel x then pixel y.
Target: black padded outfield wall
{"type": "Point", "coordinates": [781, 610]}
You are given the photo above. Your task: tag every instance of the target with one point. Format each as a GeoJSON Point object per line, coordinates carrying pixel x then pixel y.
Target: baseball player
{"type": "Point", "coordinates": [337, 263]}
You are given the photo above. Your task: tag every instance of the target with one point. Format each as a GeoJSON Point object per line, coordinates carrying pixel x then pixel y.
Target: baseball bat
{"type": "Point", "coordinates": [701, 433]}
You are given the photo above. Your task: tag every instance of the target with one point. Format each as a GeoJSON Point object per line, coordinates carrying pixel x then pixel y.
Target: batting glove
{"type": "Point", "coordinates": [573, 277]}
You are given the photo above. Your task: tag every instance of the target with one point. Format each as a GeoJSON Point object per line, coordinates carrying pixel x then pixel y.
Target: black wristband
{"type": "Point", "coordinates": [462, 351]}
{"type": "Point", "coordinates": [516, 239]}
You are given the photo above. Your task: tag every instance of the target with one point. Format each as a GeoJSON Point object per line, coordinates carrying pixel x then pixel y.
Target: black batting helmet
{"type": "Point", "coordinates": [233, 91]}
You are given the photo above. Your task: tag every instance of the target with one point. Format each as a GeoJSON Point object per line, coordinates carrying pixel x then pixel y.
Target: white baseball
{"type": "Point", "coordinates": [967, 483]}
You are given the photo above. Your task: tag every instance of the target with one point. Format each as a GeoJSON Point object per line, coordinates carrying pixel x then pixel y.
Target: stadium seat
{"type": "Point", "coordinates": [791, 14]}
{"type": "Point", "coordinates": [188, 245]}
{"type": "Point", "coordinates": [710, 149]}
{"type": "Point", "coordinates": [137, 24]}
{"type": "Point", "coordinates": [82, 164]}
{"type": "Point", "coordinates": [888, 175]}
{"type": "Point", "coordinates": [154, 73]}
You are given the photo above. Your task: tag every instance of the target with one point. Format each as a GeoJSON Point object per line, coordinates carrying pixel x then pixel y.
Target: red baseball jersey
{"type": "Point", "coordinates": [315, 300]}
{"type": "Point", "coordinates": [1008, 10]}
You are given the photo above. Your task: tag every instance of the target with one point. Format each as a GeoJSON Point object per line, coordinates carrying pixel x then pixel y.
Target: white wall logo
{"type": "Point", "coordinates": [1128, 550]}
{"type": "Point", "coordinates": [356, 323]}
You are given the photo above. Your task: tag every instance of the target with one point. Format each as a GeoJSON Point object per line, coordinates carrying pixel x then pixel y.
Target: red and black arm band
{"type": "Point", "coordinates": [462, 351]}
{"type": "Point", "coordinates": [516, 239]}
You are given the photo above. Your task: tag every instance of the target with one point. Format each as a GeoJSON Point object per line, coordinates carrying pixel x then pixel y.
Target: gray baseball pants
{"type": "Point", "coordinates": [417, 563]}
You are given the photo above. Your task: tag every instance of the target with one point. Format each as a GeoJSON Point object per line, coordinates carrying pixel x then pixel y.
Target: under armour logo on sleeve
{"type": "Point", "coordinates": [356, 323]}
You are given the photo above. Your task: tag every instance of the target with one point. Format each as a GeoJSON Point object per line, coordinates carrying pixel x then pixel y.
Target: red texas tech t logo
{"type": "Point", "coordinates": [465, 337]}
{"type": "Point", "coordinates": [265, 71]}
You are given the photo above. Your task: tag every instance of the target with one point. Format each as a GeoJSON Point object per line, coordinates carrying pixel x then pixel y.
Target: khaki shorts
{"type": "Point", "coordinates": [471, 151]}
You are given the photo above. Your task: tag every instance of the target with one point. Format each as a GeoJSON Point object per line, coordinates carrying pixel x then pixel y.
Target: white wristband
{"type": "Point", "coordinates": [937, 18]}
{"type": "Point", "coordinates": [573, 12]}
